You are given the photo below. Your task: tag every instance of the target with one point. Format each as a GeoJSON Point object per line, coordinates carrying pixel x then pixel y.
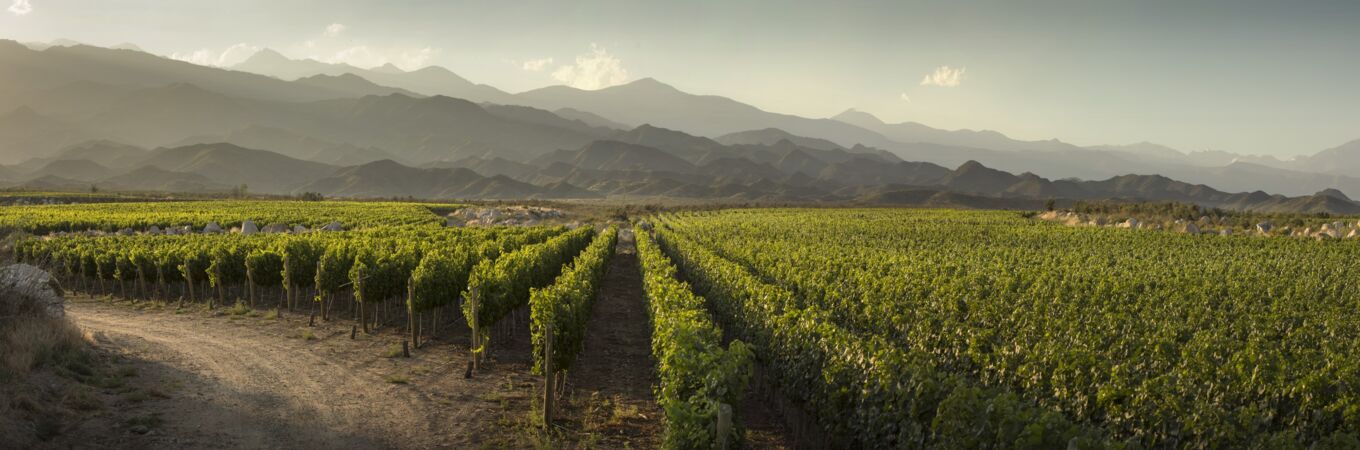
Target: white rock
{"type": "Point", "coordinates": [21, 282]}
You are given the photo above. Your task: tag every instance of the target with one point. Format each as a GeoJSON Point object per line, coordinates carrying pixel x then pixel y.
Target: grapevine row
{"type": "Point", "coordinates": [565, 306]}
{"type": "Point", "coordinates": [699, 379]}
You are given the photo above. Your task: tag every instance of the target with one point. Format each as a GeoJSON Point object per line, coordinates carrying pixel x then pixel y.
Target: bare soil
{"type": "Point", "coordinates": [246, 381]}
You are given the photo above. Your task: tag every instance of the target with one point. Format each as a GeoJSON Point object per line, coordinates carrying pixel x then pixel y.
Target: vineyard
{"type": "Point", "coordinates": [881, 328]}
{"type": "Point", "coordinates": [951, 329]}
{"type": "Point", "coordinates": [141, 216]}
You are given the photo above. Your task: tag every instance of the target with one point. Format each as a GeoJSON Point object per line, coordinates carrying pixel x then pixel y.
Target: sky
{"type": "Point", "coordinates": [1259, 77]}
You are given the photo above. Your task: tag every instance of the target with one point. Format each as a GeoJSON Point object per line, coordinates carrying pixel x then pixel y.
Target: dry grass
{"type": "Point", "coordinates": [25, 344]}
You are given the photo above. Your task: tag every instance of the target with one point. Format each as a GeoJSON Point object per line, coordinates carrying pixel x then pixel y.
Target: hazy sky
{"type": "Point", "coordinates": [1273, 77]}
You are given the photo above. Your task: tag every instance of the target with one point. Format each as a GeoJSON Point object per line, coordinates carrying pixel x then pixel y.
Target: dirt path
{"type": "Point", "coordinates": [612, 383]}
{"type": "Point", "coordinates": [252, 382]}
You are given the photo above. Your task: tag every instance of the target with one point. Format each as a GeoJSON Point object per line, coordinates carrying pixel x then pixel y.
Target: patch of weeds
{"type": "Point", "coordinates": [82, 400]}
{"type": "Point", "coordinates": [156, 394]}
{"type": "Point", "coordinates": [239, 309]}
{"type": "Point", "coordinates": [149, 421]}
{"type": "Point", "coordinates": [397, 379]}
{"type": "Point", "coordinates": [307, 335]}
{"type": "Point", "coordinates": [136, 397]}
{"type": "Point", "coordinates": [273, 314]}
{"type": "Point", "coordinates": [393, 351]}
{"type": "Point", "coordinates": [127, 371]}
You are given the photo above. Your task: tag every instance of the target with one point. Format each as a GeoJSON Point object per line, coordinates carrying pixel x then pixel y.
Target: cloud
{"type": "Point", "coordinates": [537, 65]}
{"type": "Point", "coordinates": [905, 98]}
{"type": "Point", "coordinates": [230, 56]}
{"type": "Point", "coordinates": [21, 7]}
{"type": "Point", "coordinates": [944, 76]}
{"type": "Point", "coordinates": [595, 70]}
{"type": "Point", "coordinates": [334, 30]}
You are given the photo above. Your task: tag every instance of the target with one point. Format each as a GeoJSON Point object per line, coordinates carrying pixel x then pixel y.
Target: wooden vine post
{"type": "Point", "coordinates": [250, 285]}
{"type": "Point", "coordinates": [410, 310]}
{"type": "Point", "coordinates": [549, 378]}
{"type": "Point", "coordinates": [221, 287]}
{"type": "Point", "coordinates": [476, 332]}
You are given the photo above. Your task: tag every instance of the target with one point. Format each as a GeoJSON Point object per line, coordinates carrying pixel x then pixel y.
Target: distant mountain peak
{"type": "Point", "coordinates": [267, 54]}
{"type": "Point", "coordinates": [648, 83]}
{"type": "Point", "coordinates": [388, 68]}
{"type": "Point", "coordinates": [855, 116]}
{"type": "Point", "coordinates": [1329, 192]}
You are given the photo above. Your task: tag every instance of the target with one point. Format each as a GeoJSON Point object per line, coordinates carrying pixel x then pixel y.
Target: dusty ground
{"type": "Point", "coordinates": [246, 381]}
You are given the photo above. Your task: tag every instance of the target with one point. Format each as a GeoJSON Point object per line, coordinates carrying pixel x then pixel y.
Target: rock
{"type": "Point", "coordinates": [1265, 227]}
{"type": "Point", "coordinates": [1226, 232]}
{"type": "Point", "coordinates": [1100, 221]}
{"type": "Point", "coordinates": [126, 232]}
{"type": "Point", "coordinates": [299, 229]}
{"type": "Point", "coordinates": [235, 230]}
{"type": "Point", "coordinates": [1355, 233]}
{"type": "Point", "coordinates": [22, 281]}
{"type": "Point", "coordinates": [275, 228]}
{"type": "Point", "coordinates": [1191, 228]}
{"type": "Point", "coordinates": [154, 230]}
{"type": "Point", "coordinates": [453, 222]}
{"type": "Point", "coordinates": [212, 227]}
{"type": "Point", "coordinates": [248, 228]}
{"type": "Point", "coordinates": [333, 226]}
{"type": "Point", "coordinates": [139, 429]}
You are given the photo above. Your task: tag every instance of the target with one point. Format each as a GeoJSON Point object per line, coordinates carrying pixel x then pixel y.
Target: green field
{"type": "Point", "coordinates": [987, 329]}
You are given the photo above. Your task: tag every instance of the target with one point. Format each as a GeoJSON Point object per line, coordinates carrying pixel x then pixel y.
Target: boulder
{"type": "Point", "coordinates": [212, 227]}
{"type": "Point", "coordinates": [1265, 227]}
{"type": "Point", "coordinates": [22, 282]}
{"type": "Point", "coordinates": [154, 230]}
{"type": "Point", "coordinates": [1100, 221]}
{"type": "Point", "coordinates": [299, 229]}
{"type": "Point", "coordinates": [1226, 232]}
{"type": "Point", "coordinates": [275, 228]}
{"type": "Point", "coordinates": [126, 232]}
{"type": "Point", "coordinates": [248, 228]}
{"type": "Point", "coordinates": [1355, 233]}
{"type": "Point", "coordinates": [333, 226]}
{"type": "Point", "coordinates": [453, 222]}
{"type": "Point", "coordinates": [1191, 228]}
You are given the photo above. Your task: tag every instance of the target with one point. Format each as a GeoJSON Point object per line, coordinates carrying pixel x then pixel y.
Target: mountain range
{"type": "Point", "coordinates": [75, 115]}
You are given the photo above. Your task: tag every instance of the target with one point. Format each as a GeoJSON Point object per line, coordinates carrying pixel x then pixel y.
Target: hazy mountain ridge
{"type": "Point", "coordinates": [339, 116]}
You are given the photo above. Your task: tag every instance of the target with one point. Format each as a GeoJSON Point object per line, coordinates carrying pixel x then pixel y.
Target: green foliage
{"type": "Point", "coordinates": [503, 284]}
{"type": "Point", "coordinates": [265, 267]}
{"type": "Point", "coordinates": [898, 326]}
{"type": "Point", "coordinates": [440, 277]}
{"type": "Point", "coordinates": [697, 375]}
{"type": "Point", "coordinates": [566, 304]}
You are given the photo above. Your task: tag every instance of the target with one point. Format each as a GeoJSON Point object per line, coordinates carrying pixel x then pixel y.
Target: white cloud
{"type": "Point", "coordinates": [231, 56]}
{"type": "Point", "coordinates": [334, 30]}
{"type": "Point", "coordinates": [905, 98]}
{"type": "Point", "coordinates": [537, 65]}
{"type": "Point", "coordinates": [21, 7]}
{"type": "Point", "coordinates": [944, 76]}
{"type": "Point", "coordinates": [595, 70]}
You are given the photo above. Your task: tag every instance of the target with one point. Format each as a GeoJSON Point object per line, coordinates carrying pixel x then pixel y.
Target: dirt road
{"type": "Point", "coordinates": [253, 382]}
